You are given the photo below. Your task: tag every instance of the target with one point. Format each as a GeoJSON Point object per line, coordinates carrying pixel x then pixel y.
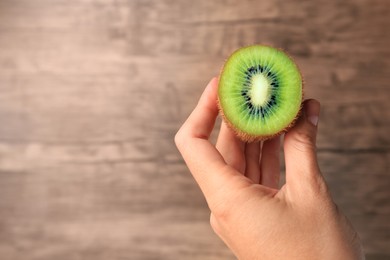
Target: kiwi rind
{"type": "Point", "coordinates": [247, 137]}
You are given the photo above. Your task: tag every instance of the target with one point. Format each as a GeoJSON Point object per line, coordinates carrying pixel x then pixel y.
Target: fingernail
{"type": "Point", "coordinates": [313, 120]}
{"type": "Point", "coordinates": [312, 110]}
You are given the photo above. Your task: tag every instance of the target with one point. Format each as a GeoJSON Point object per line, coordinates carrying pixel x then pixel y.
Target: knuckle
{"type": "Point", "coordinates": [178, 139]}
{"type": "Point", "coordinates": [221, 212]}
{"type": "Point", "coordinates": [320, 193]}
{"type": "Point", "coordinates": [321, 187]}
{"type": "Point", "coordinates": [303, 141]}
{"type": "Point", "coordinates": [214, 224]}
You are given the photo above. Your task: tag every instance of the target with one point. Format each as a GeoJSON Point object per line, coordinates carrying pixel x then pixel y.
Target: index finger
{"type": "Point", "coordinates": [202, 158]}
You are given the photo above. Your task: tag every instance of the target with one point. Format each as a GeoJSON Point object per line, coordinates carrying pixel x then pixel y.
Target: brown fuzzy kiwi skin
{"type": "Point", "coordinates": [248, 138]}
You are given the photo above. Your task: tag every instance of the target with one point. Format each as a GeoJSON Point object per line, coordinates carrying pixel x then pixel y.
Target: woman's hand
{"type": "Point", "coordinates": [249, 212]}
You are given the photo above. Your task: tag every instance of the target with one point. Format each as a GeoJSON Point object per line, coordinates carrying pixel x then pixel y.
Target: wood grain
{"type": "Point", "coordinates": [93, 91]}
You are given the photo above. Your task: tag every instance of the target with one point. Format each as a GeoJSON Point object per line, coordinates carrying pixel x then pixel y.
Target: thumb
{"type": "Point", "coordinates": [300, 145]}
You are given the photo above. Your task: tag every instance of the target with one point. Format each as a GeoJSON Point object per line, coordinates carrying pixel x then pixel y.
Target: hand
{"type": "Point", "coordinates": [254, 218]}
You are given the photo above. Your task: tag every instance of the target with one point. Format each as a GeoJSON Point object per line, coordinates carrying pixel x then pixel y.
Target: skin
{"type": "Point", "coordinates": [240, 181]}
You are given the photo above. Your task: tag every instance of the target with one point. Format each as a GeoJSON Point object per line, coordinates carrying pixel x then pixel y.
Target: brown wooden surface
{"type": "Point", "coordinates": [93, 91]}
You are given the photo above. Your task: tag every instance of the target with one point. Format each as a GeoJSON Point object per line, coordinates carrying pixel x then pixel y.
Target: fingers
{"type": "Point", "coordinates": [252, 155]}
{"type": "Point", "coordinates": [204, 161]}
{"type": "Point", "coordinates": [300, 146]}
{"type": "Point", "coordinates": [270, 163]}
{"type": "Point", "coordinates": [231, 148]}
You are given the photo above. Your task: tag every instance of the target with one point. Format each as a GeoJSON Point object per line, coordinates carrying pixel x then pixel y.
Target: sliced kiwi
{"type": "Point", "coordinates": [260, 92]}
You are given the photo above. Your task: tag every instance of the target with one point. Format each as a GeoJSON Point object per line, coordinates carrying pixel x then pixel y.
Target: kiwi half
{"type": "Point", "coordinates": [260, 92]}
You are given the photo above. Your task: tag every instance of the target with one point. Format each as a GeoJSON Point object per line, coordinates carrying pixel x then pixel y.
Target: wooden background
{"type": "Point", "coordinates": [93, 91]}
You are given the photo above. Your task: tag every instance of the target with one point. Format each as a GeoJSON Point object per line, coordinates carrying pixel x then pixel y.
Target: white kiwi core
{"type": "Point", "coordinates": [260, 91]}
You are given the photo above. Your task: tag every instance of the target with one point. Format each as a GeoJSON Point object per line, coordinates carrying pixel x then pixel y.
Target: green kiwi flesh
{"type": "Point", "coordinates": [260, 92]}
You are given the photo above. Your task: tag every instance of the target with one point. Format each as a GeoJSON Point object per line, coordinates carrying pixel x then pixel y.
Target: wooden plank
{"type": "Point", "coordinates": [125, 103]}
{"type": "Point", "coordinates": [359, 183]}
{"type": "Point", "coordinates": [142, 210]}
